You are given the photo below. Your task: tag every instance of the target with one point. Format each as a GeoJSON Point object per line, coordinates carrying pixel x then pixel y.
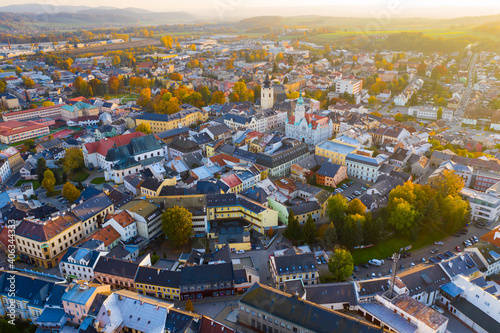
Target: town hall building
{"type": "Point", "coordinates": [308, 127]}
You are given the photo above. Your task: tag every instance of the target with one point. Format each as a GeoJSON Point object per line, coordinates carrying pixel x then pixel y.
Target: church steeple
{"type": "Point", "coordinates": [267, 94]}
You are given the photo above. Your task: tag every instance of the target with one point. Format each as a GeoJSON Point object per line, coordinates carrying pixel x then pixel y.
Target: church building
{"type": "Point", "coordinates": [308, 127]}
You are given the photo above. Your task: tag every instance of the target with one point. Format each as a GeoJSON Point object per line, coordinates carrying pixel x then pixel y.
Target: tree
{"type": "Point", "coordinates": [47, 103]}
{"type": "Point", "coordinates": [293, 230]}
{"type": "Point", "coordinates": [218, 97]}
{"type": "Point", "coordinates": [341, 265]}
{"type": "Point", "coordinates": [372, 229]}
{"type": "Point", "coordinates": [177, 225]}
{"type": "Point", "coordinates": [448, 183]}
{"type": "Point", "coordinates": [28, 82]}
{"type": "Point", "coordinates": [193, 47]}
{"type": "Point", "coordinates": [372, 100]}
{"type": "Point", "coordinates": [144, 128]}
{"type": "Point", "coordinates": [329, 238]}
{"type": "Point", "coordinates": [176, 77]}
{"type": "Point", "coordinates": [404, 218]}
{"type": "Point", "coordinates": [440, 113]}
{"type": "Point", "coordinates": [356, 207]}
{"type": "Point", "coordinates": [351, 231]}
{"type": "Point", "coordinates": [167, 42]}
{"type": "Point", "coordinates": [49, 181]}
{"type": "Point", "coordinates": [240, 88]}
{"type": "Point", "coordinates": [70, 192]}
{"type": "Point", "coordinates": [41, 167]}
{"type": "Point", "coordinates": [337, 206]}
{"type": "Point", "coordinates": [399, 117]}
{"type": "Point", "coordinates": [73, 159]}
{"type": "Point", "coordinates": [309, 230]}
{"type": "Point", "coordinates": [189, 306]}
{"type": "Point", "coordinates": [18, 71]}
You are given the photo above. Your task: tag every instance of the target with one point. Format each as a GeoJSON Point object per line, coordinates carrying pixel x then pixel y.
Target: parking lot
{"type": "Point", "coordinates": [356, 185]}
{"type": "Point", "coordinates": [449, 244]}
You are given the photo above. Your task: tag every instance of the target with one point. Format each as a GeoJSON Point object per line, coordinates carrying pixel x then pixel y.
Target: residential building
{"type": "Point", "coordinates": [78, 263]}
{"type": "Point", "coordinates": [147, 217]}
{"type": "Point", "coordinates": [363, 167]}
{"type": "Point", "coordinates": [430, 113]}
{"type": "Point", "coordinates": [5, 170]}
{"type": "Point", "coordinates": [485, 207]}
{"type": "Point", "coordinates": [54, 112]}
{"type": "Point", "coordinates": [164, 122]}
{"type": "Point", "coordinates": [280, 161]}
{"type": "Point", "coordinates": [211, 280]}
{"type": "Point", "coordinates": [231, 206]}
{"type": "Point", "coordinates": [151, 187]}
{"type": "Point", "coordinates": [14, 131]}
{"type": "Point", "coordinates": [472, 303]}
{"type": "Point", "coordinates": [108, 235]}
{"type": "Point", "coordinates": [124, 224]}
{"type": "Point", "coordinates": [290, 313]}
{"type": "Point", "coordinates": [43, 243]}
{"type": "Point", "coordinates": [157, 282]}
{"type": "Point", "coordinates": [93, 211]}
{"type": "Point", "coordinates": [78, 299]}
{"type": "Point", "coordinates": [54, 143]}
{"type": "Point", "coordinates": [105, 131]}
{"type": "Point", "coordinates": [31, 296]}
{"type": "Point", "coordinates": [331, 174]}
{"type": "Point", "coordinates": [115, 272]}
{"type": "Point", "coordinates": [79, 109]}
{"type": "Point", "coordinates": [294, 264]}
{"type": "Point", "coordinates": [336, 151]}
{"type": "Point", "coordinates": [352, 87]}
{"type": "Point", "coordinates": [14, 158]}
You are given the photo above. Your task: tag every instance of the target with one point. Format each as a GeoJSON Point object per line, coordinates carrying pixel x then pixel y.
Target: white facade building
{"type": "Point", "coordinates": [429, 113]}
{"type": "Point", "coordinates": [363, 167]}
{"type": "Point", "coordinates": [308, 127]}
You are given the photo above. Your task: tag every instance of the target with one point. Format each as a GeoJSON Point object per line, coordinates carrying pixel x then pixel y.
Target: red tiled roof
{"type": "Point", "coordinates": [102, 146]}
{"type": "Point", "coordinates": [231, 181]}
{"type": "Point", "coordinates": [312, 119]}
{"type": "Point", "coordinates": [107, 234]}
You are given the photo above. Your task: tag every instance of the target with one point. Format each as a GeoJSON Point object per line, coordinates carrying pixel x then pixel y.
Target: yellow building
{"type": "Point", "coordinates": [231, 206]}
{"type": "Point", "coordinates": [337, 151]}
{"type": "Point", "coordinates": [43, 243]}
{"type": "Point", "coordinates": [158, 282]}
{"type": "Point", "coordinates": [164, 122]}
{"type": "Point", "coordinates": [14, 158]}
{"type": "Point", "coordinates": [151, 187]}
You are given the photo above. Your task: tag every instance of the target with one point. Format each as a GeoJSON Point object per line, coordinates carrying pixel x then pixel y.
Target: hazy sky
{"type": "Point", "coordinates": [196, 5]}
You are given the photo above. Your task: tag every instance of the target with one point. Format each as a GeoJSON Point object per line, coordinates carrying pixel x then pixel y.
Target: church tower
{"type": "Point", "coordinates": [300, 109]}
{"type": "Point", "coordinates": [267, 95]}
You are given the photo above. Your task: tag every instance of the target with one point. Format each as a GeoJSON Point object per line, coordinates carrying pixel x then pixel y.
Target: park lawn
{"type": "Point", "coordinates": [387, 247]}
{"type": "Point", "coordinates": [53, 194]}
{"type": "Point", "coordinates": [79, 176]}
{"type": "Point", "coordinates": [98, 180]}
{"type": "Point", "coordinates": [36, 183]}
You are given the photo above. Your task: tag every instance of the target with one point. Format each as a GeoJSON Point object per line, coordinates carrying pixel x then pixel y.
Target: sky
{"type": "Point", "coordinates": [225, 9]}
{"type": "Point", "coordinates": [191, 5]}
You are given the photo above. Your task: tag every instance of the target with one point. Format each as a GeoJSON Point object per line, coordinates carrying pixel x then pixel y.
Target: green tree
{"type": "Point", "coordinates": [351, 234]}
{"type": "Point", "coordinates": [337, 206]}
{"type": "Point", "coordinates": [70, 192]}
{"type": "Point", "coordinates": [356, 207]}
{"type": "Point", "coordinates": [177, 225]}
{"type": "Point", "coordinates": [440, 113]}
{"type": "Point", "coordinates": [49, 181]}
{"type": "Point", "coordinates": [73, 159]}
{"type": "Point", "coordinates": [399, 117]}
{"type": "Point", "coordinates": [293, 229]}
{"type": "Point", "coordinates": [372, 100]}
{"type": "Point", "coordinates": [144, 128]}
{"type": "Point", "coordinates": [329, 238]}
{"type": "Point", "coordinates": [41, 167]}
{"type": "Point", "coordinates": [372, 229]}
{"type": "Point", "coordinates": [309, 230]}
{"type": "Point", "coordinates": [341, 265]}
{"type": "Point", "coordinates": [404, 218]}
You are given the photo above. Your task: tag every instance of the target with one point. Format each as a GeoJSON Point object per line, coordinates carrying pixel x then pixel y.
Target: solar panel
{"type": "Point", "coordinates": [434, 260]}
{"type": "Point", "coordinates": [449, 254]}
{"type": "Point", "coordinates": [426, 278]}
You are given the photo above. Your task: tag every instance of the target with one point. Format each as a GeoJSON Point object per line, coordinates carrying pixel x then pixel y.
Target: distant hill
{"type": "Point", "coordinates": [38, 15]}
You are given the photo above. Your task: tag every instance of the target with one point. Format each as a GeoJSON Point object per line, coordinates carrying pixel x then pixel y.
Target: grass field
{"type": "Point", "coordinates": [79, 176]}
{"type": "Point", "coordinates": [36, 183]}
{"type": "Point", "coordinates": [443, 32]}
{"type": "Point", "coordinates": [98, 180]}
{"type": "Point", "coordinates": [393, 244]}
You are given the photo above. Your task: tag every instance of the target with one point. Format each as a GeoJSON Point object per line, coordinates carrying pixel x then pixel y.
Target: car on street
{"type": "Point", "coordinates": [376, 262]}
{"type": "Point", "coordinates": [422, 260]}
{"type": "Point", "coordinates": [438, 243]}
{"type": "Point", "coordinates": [374, 275]}
{"type": "Point", "coordinates": [323, 260]}
{"type": "Point", "coordinates": [318, 261]}
{"type": "Point", "coordinates": [434, 251]}
{"type": "Point", "coordinates": [356, 268]}
{"type": "Point", "coordinates": [458, 248]}
{"type": "Point", "coordinates": [240, 251]}
{"type": "Point", "coordinates": [402, 267]}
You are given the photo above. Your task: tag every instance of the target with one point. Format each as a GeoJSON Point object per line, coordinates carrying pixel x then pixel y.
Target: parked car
{"type": "Point", "coordinates": [318, 261]}
{"type": "Point", "coordinates": [438, 243]}
{"type": "Point", "coordinates": [402, 267]}
{"type": "Point", "coordinates": [240, 251]}
{"type": "Point", "coordinates": [475, 239]}
{"type": "Point", "coordinates": [457, 235]}
{"type": "Point", "coordinates": [323, 260]}
{"type": "Point", "coordinates": [374, 275]}
{"type": "Point", "coordinates": [356, 269]}
{"type": "Point", "coordinates": [434, 251]}
{"type": "Point", "coordinates": [376, 262]}
{"type": "Point", "coordinates": [437, 308]}
{"type": "Point", "coordinates": [458, 248]}
{"type": "Point", "coordinates": [422, 260]}
{"type": "Point", "coordinates": [364, 265]}
{"type": "Point", "coordinates": [412, 264]}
